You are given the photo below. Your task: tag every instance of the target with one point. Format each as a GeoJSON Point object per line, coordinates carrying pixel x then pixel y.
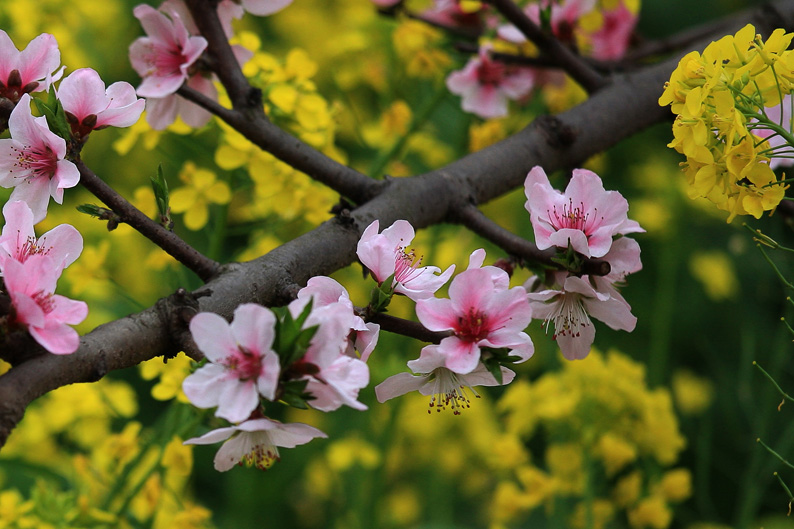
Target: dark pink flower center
{"type": "Point", "coordinates": [36, 161]}
{"type": "Point", "coordinates": [572, 218]}
{"type": "Point", "coordinates": [28, 248]}
{"type": "Point", "coordinates": [245, 364]}
{"type": "Point", "coordinates": [473, 326]}
{"type": "Point", "coordinates": [44, 300]}
{"type": "Point", "coordinates": [491, 72]}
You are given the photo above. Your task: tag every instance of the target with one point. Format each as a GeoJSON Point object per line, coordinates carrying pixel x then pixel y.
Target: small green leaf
{"type": "Point", "coordinates": [160, 188]}
{"type": "Point", "coordinates": [495, 368]}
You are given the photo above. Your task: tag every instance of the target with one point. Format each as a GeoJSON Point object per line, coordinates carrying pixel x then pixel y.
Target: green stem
{"type": "Point", "coordinates": [772, 380]}
{"type": "Point", "coordinates": [778, 456]}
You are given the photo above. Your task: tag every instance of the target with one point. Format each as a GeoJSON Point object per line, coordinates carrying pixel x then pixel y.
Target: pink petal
{"type": "Point", "coordinates": [577, 347]}
{"type": "Point", "coordinates": [462, 356]}
{"type": "Point", "coordinates": [237, 400]}
{"type": "Point", "coordinates": [83, 93]}
{"type": "Point", "coordinates": [211, 437]}
{"type": "Point", "coordinates": [397, 385]}
{"type": "Point", "coordinates": [203, 387]}
{"type": "Point", "coordinates": [39, 59]}
{"type": "Point", "coordinates": [57, 339]}
{"type": "Point", "coordinates": [265, 7]}
{"type": "Point", "coordinates": [253, 327]}
{"type": "Point", "coordinates": [436, 314]}
{"type": "Point", "coordinates": [213, 336]}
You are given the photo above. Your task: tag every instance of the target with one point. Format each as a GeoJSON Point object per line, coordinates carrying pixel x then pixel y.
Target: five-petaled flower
{"type": "Point", "coordinates": [63, 244]}
{"type": "Point", "coordinates": [255, 442]}
{"type": "Point", "coordinates": [481, 312]}
{"type": "Point", "coordinates": [586, 217]}
{"type": "Point", "coordinates": [446, 388]}
{"type": "Point", "coordinates": [32, 161]}
{"type": "Point", "coordinates": [385, 254]}
{"type": "Point", "coordinates": [22, 72]}
{"type": "Point", "coordinates": [242, 366]}
{"type": "Point", "coordinates": [47, 316]}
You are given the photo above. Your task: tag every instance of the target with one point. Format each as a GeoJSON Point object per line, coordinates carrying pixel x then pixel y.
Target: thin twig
{"type": "Point", "coordinates": [476, 221]}
{"type": "Point", "coordinates": [572, 63]}
{"type": "Point", "coordinates": [408, 328]}
{"type": "Point", "coordinates": [169, 241]}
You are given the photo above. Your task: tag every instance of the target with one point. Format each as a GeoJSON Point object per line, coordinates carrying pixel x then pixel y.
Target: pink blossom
{"type": "Point", "coordinates": [481, 314]}
{"type": "Point", "coordinates": [585, 216]}
{"type": "Point", "coordinates": [449, 13]}
{"type": "Point", "coordinates": [264, 8]}
{"type": "Point", "coordinates": [384, 254]}
{"type": "Point", "coordinates": [611, 41]}
{"type": "Point", "coordinates": [486, 85]}
{"type": "Point", "coordinates": [564, 16]}
{"type": "Point", "coordinates": [88, 105]}
{"type": "Point", "coordinates": [32, 161]}
{"type": "Point", "coordinates": [446, 388]}
{"type": "Point", "coordinates": [781, 154]}
{"type": "Point", "coordinates": [47, 315]}
{"type": "Point", "coordinates": [164, 57]}
{"type": "Point", "coordinates": [23, 71]}
{"type": "Point", "coordinates": [570, 306]}
{"type": "Point", "coordinates": [255, 442]}
{"type": "Point", "coordinates": [334, 378]}
{"type": "Point", "coordinates": [161, 112]}
{"type": "Point", "coordinates": [324, 291]}
{"type": "Point", "coordinates": [63, 244]}
{"type": "Point", "coordinates": [242, 366]}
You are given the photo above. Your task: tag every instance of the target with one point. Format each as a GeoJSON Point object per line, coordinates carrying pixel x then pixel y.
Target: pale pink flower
{"type": "Point", "coordinates": [481, 314]}
{"type": "Point", "coordinates": [334, 378]}
{"type": "Point", "coordinates": [161, 112]}
{"type": "Point", "coordinates": [32, 161]}
{"type": "Point", "coordinates": [446, 388]}
{"type": "Point", "coordinates": [164, 56]}
{"type": "Point", "coordinates": [264, 8]}
{"type": "Point", "coordinates": [585, 216]}
{"type": "Point", "coordinates": [782, 154]}
{"type": "Point", "coordinates": [48, 316]}
{"type": "Point", "coordinates": [88, 105]}
{"type": "Point", "coordinates": [449, 13]}
{"type": "Point", "coordinates": [486, 85]}
{"type": "Point", "coordinates": [324, 291]}
{"type": "Point", "coordinates": [63, 244]}
{"type": "Point", "coordinates": [385, 254]}
{"type": "Point", "coordinates": [255, 442]}
{"type": "Point", "coordinates": [563, 20]}
{"type": "Point", "coordinates": [29, 70]}
{"type": "Point", "coordinates": [242, 365]}
{"type": "Point", "coordinates": [611, 41]}
{"type": "Point", "coordinates": [570, 306]}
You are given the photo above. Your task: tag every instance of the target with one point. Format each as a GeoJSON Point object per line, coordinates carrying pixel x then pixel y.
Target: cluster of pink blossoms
{"type": "Point", "coordinates": [168, 57]}
{"type": "Point", "coordinates": [33, 161]}
{"type": "Point", "coordinates": [486, 85]}
{"type": "Point", "coordinates": [243, 368]}
{"type": "Point", "coordinates": [591, 222]}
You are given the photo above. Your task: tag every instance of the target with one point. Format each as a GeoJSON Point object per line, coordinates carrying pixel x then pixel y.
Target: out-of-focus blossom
{"type": "Point", "coordinates": [164, 56]}
{"type": "Point", "coordinates": [242, 366]}
{"type": "Point", "coordinates": [586, 217]}
{"type": "Point", "coordinates": [47, 315]}
{"type": "Point", "coordinates": [88, 105]}
{"type": "Point", "coordinates": [455, 14]}
{"type": "Point", "coordinates": [481, 314]}
{"type": "Point", "coordinates": [446, 388]}
{"type": "Point", "coordinates": [63, 244]}
{"type": "Point", "coordinates": [32, 161]}
{"type": "Point", "coordinates": [263, 8]}
{"type": "Point", "coordinates": [384, 254]}
{"type": "Point", "coordinates": [781, 154]}
{"type": "Point", "coordinates": [611, 40]}
{"type": "Point", "coordinates": [29, 70]}
{"type": "Point", "coordinates": [486, 85]}
{"type": "Point", "coordinates": [255, 442]}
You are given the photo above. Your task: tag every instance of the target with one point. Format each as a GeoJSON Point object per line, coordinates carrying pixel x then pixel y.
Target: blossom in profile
{"type": "Point", "coordinates": [255, 442]}
{"type": "Point", "coordinates": [569, 306]}
{"type": "Point", "coordinates": [32, 161]}
{"type": "Point", "coordinates": [386, 254]}
{"type": "Point", "coordinates": [63, 244]}
{"type": "Point", "coordinates": [88, 105]}
{"type": "Point", "coordinates": [29, 70]}
{"type": "Point", "coordinates": [486, 85]}
{"type": "Point", "coordinates": [446, 388]}
{"type": "Point", "coordinates": [47, 316]}
{"type": "Point", "coordinates": [586, 217]}
{"type": "Point", "coordinates": [242, 365]}
{"type": "Point", "coordinates": [164, 56]}
{"type": "Point", "coordinates": [781, 154]}
{"type": "Point", "coordinates": [480, 314]}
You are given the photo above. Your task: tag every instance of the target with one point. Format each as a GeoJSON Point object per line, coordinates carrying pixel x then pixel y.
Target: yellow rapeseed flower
{"type": "Point", "coordinates": [201, 188]}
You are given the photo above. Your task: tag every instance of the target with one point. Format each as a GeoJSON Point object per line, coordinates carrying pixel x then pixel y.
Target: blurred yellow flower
{"type": "Point", "coordinates": [693, 394]}
{"type": "Point", "coordinates": [715, 271]}
{"type": "Point", "coordinates": [193, 199]}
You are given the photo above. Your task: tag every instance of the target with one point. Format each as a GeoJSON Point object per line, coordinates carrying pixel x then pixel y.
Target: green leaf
{"type": "Point", "coordinates": [495, 368]}
{"type": "Point", "coordinates": [160, 188]}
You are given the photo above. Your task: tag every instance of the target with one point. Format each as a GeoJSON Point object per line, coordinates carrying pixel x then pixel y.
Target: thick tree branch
{"type": "Point", "coordinates": [203, 266]}
{"type": "Point", "coordinates": [258, 130]}
{"type": "Point", "coordinates": [625, 107]}
{"type": "Point", "coordinates": [549, 46]}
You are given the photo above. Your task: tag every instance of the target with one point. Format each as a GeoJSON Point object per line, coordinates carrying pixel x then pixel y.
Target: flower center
{"type": "Point", "coordinates": [44, 300]}
{"type": "Point", "coordinates": [36, 161]}
{"type": "Point", "coordinates": [244, 363]}
{"type": "Point", "coordinates": [28, 248]}
{"type": "Point", "coordinates": [569, 317]}
{"type": "Point", "coordinates": [406, 265]}
{"type": "Point", "coordinates": [262, 453]}
{"type": "Point", "coordinates": [449, 391]}
{"type": "Point", "coordinates": [573, 218]}
{"type": "Point", "coordinates": [491, 72]}
{"type": "Point", "coordinates": [473, 326]}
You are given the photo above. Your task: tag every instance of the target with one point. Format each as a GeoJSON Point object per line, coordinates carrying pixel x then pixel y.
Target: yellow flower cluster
{"type": "Point", "coordinates": [719, 98]}
{"type": "Point", "coordinates": [603, 426]}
